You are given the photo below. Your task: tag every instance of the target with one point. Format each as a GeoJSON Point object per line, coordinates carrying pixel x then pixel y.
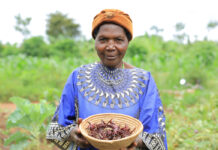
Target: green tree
{"type": "Point", "coordinates": [65, 48]}
{"type": "Point", "coordinates": [179, 26]}
{"type": "Point", "coordinates": [59, 26]}
{"type": "Point", "coordinates": [156, 29]}
{"type": "Point", "coordinates": [21, 25]}
{"type": "Point", "coordinates": [212, 25]}
{"type": "Point", "coordinates": [180, 36]}
{"type": "Point", "coordinates": [35, 46]}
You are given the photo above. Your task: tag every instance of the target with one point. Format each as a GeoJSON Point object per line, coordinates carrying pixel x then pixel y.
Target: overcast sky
{"type": "Point", "coordinates": [195, 14]}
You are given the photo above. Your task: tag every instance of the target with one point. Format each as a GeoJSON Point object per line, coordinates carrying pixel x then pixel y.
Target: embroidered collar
{"type": "Point", "coordinates": [110, 88]}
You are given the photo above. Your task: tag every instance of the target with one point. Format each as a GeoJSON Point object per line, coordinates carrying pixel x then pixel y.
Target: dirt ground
{"type": "Point", "coordinates": [5, 110]}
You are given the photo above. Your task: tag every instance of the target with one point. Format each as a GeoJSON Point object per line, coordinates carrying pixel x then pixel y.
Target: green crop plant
{"type": "Point", "coordinates": [30, 120]}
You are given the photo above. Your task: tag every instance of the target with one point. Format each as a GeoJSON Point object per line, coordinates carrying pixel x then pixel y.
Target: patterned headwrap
{"type": "Point", "coordinates": [114, 16]}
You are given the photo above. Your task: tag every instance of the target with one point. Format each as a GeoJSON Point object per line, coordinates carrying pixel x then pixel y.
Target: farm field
{"type": "Point", "coordinates": [186, 76]}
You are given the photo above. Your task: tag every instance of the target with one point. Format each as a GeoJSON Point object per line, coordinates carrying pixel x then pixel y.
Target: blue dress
{"type": "Point", "coordinates": [93, 89]}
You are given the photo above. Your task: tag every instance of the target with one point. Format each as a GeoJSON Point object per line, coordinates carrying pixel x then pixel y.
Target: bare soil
{"type": "Point", "coordinates": [5, 110]}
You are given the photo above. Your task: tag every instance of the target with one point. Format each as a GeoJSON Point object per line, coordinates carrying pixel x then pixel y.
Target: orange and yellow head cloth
{"type": "Point", "coordinates": [113, 16]}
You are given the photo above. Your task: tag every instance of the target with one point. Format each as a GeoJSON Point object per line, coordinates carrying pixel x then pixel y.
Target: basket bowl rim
{"type": "Point", "coordinates": [136, 133]}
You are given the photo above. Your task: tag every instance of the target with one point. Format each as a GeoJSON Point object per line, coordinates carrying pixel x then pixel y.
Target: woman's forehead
{"type": "Point", "coordinates": [111, 28]}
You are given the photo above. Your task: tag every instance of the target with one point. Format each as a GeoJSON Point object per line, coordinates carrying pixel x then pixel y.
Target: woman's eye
{"type": "Point", "coordinates": [102, 39]}
{"type": "Point", "coordinates": [119, 39]}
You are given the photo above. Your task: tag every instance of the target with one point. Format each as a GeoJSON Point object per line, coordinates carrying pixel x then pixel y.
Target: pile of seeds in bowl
{"type": "Point", "coordinates": [108, 131]}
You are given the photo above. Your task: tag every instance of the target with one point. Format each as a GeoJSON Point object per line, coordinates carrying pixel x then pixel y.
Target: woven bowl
{"type": "Point", "coordinates": [118, 119]}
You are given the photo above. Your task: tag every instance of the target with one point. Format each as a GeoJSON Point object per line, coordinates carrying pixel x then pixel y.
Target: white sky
{"type": "Point", "coordinates": [195, 14]}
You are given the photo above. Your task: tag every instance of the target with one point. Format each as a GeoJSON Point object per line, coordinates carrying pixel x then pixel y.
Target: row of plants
{"type": "Point", "coordinates": [190, 105]}
{"type": "Point", "coordinates": [142, 48]}
{"type": "Point", "coordinates": [38, 47]}
{"type": "Point", "coordinates": [168, 61]}
{"type": "Point", "coordinates": [187, 127]}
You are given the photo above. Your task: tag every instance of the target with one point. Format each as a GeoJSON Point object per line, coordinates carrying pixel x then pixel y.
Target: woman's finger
{"type": "Point", "coordinates": [83, 143]}
{"type": "Point", "coordinates": [78, 139]}
{"type": "Point", "coordinates": [78, 131]}
{"type": "Point", "coordinates": [132, 146]}
{"type": "Point", "coordinates": [79, 121]}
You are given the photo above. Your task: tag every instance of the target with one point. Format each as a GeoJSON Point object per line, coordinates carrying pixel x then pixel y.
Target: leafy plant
{"type": "Point", "coordinates": [31, 120]}
{"type": "Point", "coordinates": [8, 49]}
{"type": "Point", "coordinates": [65, 48]}
{"type": "Point", "coordinates": [35, 46]}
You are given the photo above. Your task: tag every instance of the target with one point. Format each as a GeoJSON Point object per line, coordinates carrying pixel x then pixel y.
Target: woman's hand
{"type": "Point", "coordinates": [77, 138]}
{"type": "Point", "coordinates": [137, 143]}
{"type": "Point", "coordinates": [131, 147]}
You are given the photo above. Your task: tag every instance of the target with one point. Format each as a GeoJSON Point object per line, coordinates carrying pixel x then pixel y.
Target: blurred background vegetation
{"type": "Point", "coordinates": [185, 72]}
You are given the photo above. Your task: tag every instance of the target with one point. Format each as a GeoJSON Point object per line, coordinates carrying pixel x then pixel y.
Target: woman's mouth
{"type": "Point", "coordinates": [110, 57]}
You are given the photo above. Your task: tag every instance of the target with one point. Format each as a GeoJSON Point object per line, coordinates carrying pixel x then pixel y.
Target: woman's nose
{"type": "Point", "coordinates": [110, 45]}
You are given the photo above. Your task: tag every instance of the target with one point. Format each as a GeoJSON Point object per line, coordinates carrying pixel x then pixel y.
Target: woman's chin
{"type": "Point", "coordinates": [112, 65]}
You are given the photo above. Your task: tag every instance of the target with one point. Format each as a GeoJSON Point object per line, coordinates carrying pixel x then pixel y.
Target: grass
{"type": "Point", "coordinates": [31, 77]}
{"type": "Point", "coordinates": [191, 110]}
{"type": "Point", "coordinates": [192, 120]}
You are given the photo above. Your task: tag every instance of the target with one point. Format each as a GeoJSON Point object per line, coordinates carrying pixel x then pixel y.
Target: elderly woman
{"type": "Point", "coordinates": [109, 86]}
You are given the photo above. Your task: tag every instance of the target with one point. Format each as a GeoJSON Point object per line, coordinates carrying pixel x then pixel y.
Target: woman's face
{"type": "Point", "coordinates": [111, 44]}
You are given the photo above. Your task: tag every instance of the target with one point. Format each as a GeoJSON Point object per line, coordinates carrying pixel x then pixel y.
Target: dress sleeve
{"type": "Point", "coordinates": [65, 117]}
{"type": "Point", "coordinates": [152, 117]}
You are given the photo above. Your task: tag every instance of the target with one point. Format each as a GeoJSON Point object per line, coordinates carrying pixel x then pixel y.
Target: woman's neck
{"type": "Point", "coordinates": [122, 65]}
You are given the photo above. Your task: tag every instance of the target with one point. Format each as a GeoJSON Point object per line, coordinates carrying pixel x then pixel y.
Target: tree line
{"type": "Point", "coordinates": [60, 26]}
